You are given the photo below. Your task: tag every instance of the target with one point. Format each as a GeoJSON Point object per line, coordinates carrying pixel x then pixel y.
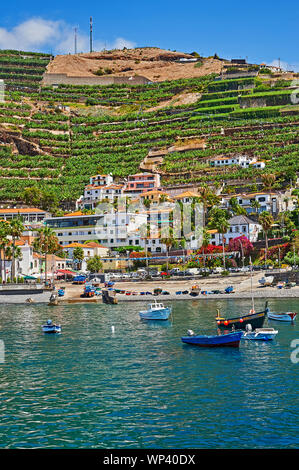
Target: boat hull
{"type": "Point", "coordinates": [230, 339]}
{"type": "Point", "coordinates": [159, 314]}
{"type": "Point", "coordinates": [256, 320]}
{"type": "Point", "coordinates": [259, 336]}
{"type": "Point", "coordinates": [51, 329]}
{"type": "Point", "coordinates": [286, 317]}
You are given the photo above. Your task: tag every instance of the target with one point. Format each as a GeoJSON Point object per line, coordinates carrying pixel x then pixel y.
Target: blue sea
{"type": "Point", "coordinates": [141, 387]}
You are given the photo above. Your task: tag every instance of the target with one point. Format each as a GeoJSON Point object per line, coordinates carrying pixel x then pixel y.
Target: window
{"type": "Point", "coordinates": [262, 199]}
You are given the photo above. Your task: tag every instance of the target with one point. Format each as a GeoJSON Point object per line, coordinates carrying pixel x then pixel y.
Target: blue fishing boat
{"type": "Point", "coordinates": [60, 292]}
{"type": "Point", "coordinates": [217, 340]}
{"type": "Point", "coordinates": [155, 311]}
{"type": "Point", "coordinates": [229, 289]}
{"type": "Point", "coordinates": [50, 327]}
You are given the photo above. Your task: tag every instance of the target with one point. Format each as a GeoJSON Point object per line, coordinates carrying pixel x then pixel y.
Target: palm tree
{"type": "Point", "coordinates": [78, 254]}
{"type": "Point", "coordinates": [46, 243]}
{"type": "Point", "coordinates": [16, 228]}
{"type": "Point", "coordinates": [168, 240]}
{"type": "Point", "coordinates": [204, 197]}
{"type": "Point", "coordinates": [222, 226]}
{"type": "Point", "coordinates": [206, 237]}
{"type": "Point", "coordinates": [255, 205]}
{"type": "Point", "coordinates": [235, 207]}
{"type": "Point", "coordinates": [4, 232]}
{"type": "Point", "coordinates": [266, 220]}
{"type": "Point", "coordinates": [268, 180]}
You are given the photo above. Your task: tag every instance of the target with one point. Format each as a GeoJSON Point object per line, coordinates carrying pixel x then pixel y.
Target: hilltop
{"type": "Point", "coordinates": [153, 63]}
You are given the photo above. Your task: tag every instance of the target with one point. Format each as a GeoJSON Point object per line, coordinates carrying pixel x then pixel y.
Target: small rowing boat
{"type": "Point", "coordinates": [50, 327]}
{"type": "Point", "coordinates": [286, 316]}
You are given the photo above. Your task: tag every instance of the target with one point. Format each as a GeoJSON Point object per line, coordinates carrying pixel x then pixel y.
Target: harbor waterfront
{"type": "Point", "coordinates": [110, 380]}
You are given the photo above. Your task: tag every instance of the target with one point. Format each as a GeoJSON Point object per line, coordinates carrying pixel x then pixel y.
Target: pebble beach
{"type": "Point", "coordinates": [241, 285]}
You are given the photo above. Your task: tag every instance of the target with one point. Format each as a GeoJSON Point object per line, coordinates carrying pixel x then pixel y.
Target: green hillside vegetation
{"type": "Point", "coordinates": [55, 138]}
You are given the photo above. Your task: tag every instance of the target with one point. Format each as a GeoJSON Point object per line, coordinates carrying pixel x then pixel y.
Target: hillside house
{"type": "Point", "coordinates": [142, 182]}
{"type": "Point", "coordinates": [273, 202]}
{"type": "Point", "coordinates": [239, 225]}
{"type": "Point", "coordinates": [242, 160]}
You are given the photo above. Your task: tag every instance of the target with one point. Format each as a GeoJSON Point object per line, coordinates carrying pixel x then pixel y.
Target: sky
{"type": "Point", "coordinates": [260, 31]}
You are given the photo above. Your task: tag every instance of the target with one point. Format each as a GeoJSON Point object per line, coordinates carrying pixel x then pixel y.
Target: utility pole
{"type": "Point", "coordinates": [90, 34]}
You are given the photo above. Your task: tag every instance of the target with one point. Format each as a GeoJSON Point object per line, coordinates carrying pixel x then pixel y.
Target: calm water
{"type": "Point", "coordinates": [141, 387]}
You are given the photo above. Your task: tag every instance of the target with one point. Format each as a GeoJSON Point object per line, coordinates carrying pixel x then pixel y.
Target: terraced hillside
{"type": "Point", "coordinates": [57, 137]}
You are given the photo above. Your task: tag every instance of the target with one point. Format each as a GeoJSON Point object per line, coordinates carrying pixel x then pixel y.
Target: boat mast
{"type": "Point", "coordinates": [252, 297]}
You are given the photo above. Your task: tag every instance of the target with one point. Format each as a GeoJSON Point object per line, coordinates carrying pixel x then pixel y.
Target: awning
{"type": "Point", "coordinates": [66, 271]}
{"type": "Point", "coordinates": [29, 277]}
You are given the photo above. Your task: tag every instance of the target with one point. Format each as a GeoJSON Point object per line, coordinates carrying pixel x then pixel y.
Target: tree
{"type": "Point", "coordinates": [168, 240]}
{"type": "Point", "coordinates": [78, 254]}
{"type": "Point", "coordinates": [16, 228]}
{"type": "Point", "coordinates": [32, 196]}
{"type": "Point", "coordinates": [255, 205]}
{"type": "Point", "coordinates": [241, 244]}
{"type": "Point", "coordinates": [222, 226]}
{"type": "Point", "coordinates": [235, 207]}
{"type": "Point", "coordinates": [206, 237]}
{"type": "Point", "coordinates": [268, 180]}
{"type": "Point", "coordinates": [204, 196]}
{"type": "Point", "coordinates": [4, 242]}
{"type": "Point", "coordinates": [46, 243]}
{"type": "Point", "coordinates": [94, 264]}
{"type": "Point", "coordinates": [266, 220]}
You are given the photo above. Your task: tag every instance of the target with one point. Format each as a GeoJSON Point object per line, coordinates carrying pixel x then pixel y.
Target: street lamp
{"type": "Point", "coordinates": [242, 251]}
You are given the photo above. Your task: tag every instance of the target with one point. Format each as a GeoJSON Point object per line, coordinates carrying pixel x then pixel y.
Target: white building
{"type": "Point", "coordinates": [90, 250]}
{"type": "Point", "coordinates": [239, 225]}
{"type": "Point", "coordinates": [111, 229]}
{"type": "Point", "coordinates": [273, 202]}
{"type": "Point", "coordinates": [243, 161]}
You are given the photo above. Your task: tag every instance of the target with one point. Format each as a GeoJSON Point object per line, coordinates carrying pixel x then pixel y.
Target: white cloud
{"type": "Point", "coordinates": [284, 65]}
{"type": "Point", "coordinates": [37, 35]}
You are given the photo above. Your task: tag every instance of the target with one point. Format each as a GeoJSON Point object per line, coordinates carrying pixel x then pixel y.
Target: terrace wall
{"type": "Point", "coordinates": [64, 79]}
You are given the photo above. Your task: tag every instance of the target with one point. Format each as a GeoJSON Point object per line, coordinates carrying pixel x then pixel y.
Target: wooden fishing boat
{"type": "Point", "coordinates": [195, 290]}
{"type": "Point", "coordinates": [219, 340]}
{"type": "Point", "coordinates": [255, 319]}
{"type": "Point", "coordinates": [284, 316]}
{"type": "Point", "coordinates": [109, 297]}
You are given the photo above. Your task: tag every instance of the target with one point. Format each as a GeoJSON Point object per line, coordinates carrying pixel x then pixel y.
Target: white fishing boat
{"type": "Point", "coordinates": [155, 311]}
{"type": "Point", "coordinates": [259, 334]}
{"type": "Point", "coordinates": [266, 281]}
{"type": "Point", "coordinates": [283, 316]}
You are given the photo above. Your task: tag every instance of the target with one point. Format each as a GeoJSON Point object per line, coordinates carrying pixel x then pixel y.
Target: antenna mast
{"type": "Point", "coordinates": [90, 34]}
{"type": "Point", "coordinates": [75, 40]}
